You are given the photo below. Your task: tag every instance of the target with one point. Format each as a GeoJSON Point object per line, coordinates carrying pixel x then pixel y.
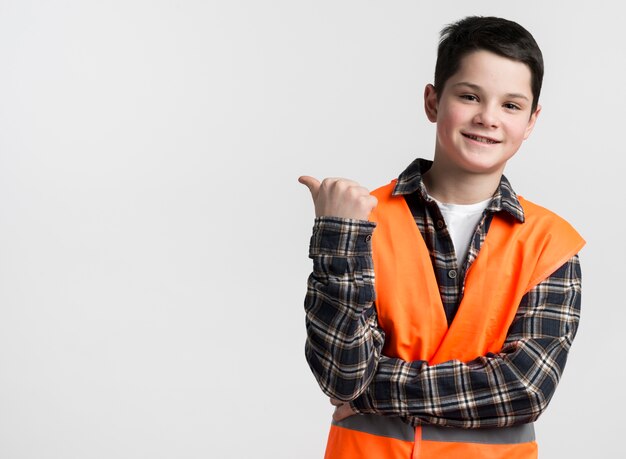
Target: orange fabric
{"type": "Point", "coordinates": [351, 444]}
{"type": "Point", "coordinates": [417, 445]}
{"type": "Point", "coordinates": [513, 259]}
{"type": "Point", "coordinates": [444, 450]}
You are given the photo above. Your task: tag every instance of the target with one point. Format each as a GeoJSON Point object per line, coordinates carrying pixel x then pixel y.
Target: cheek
{"type": "Point", "coordinates": [517, 131]}
{"type": "Point", "coordinates": [451, 119]}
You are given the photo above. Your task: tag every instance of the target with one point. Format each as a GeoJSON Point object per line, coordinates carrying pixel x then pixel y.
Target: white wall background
{"type": "Point", "coordinates": [153, 236]}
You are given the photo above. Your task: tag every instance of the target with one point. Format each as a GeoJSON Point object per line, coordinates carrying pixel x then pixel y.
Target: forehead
{"type": "Point", "coordinates": [493, 73]}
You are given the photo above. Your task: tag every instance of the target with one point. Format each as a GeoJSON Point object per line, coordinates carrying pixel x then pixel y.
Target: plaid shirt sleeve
{"type": "Point", "coordinates": [511, 387]}
{"type": "Point", "coordinates": [343, 339]}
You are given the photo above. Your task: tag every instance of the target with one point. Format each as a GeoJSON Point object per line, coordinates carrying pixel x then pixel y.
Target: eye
{"type": "Point", "coordinates": [469, 97]}
{"type": "Point", "coordinates": [511, 106]}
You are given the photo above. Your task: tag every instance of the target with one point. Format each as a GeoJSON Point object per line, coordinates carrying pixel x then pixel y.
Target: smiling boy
{"type": "Point", "coordinates": [442, 306]}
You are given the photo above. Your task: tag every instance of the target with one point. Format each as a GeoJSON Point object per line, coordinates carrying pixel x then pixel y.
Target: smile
{"type": "Point", "coordinates": [478, 138]}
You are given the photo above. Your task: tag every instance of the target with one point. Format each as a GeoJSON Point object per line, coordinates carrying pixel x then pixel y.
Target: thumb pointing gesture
{"type": "Point", "coordinates": [338, 197]}
{"type": "Point", "coordinates": [312, 184]}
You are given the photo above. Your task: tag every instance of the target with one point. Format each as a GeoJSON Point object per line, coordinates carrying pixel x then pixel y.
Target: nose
{"type": "Point", "coordinates": [487, 117]}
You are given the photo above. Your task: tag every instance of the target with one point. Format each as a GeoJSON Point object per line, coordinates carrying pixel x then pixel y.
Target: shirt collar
{"type": "Point", "coordinates": [503, 200]}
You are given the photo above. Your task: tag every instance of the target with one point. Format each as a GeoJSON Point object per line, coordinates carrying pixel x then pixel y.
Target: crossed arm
{"type": "Point", "coordinates": [344, 344]}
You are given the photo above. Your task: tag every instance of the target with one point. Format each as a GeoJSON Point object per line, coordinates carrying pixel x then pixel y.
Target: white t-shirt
{"type": "Point", "coordinates": [461, 220]}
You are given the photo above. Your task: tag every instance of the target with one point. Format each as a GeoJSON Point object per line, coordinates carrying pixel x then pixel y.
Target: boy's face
{"type": "Point", "coordinates": [483, 114]}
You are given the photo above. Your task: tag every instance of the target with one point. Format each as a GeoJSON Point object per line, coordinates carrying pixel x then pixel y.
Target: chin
{"type": "Point", "coordinates": [483, 164]}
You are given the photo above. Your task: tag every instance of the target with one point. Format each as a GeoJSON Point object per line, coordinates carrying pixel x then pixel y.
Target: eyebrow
{"type": "Point", "coordinates": [475, 87]}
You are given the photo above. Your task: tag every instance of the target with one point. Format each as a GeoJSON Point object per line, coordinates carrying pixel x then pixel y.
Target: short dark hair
{"type": "Point", "coordinates": [499, 36]}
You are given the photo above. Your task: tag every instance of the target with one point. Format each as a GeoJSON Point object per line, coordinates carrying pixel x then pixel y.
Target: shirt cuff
{"type": "Point", "coordinates": [343, 237]}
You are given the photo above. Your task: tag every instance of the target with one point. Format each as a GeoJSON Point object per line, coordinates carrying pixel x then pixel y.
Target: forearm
{"type": "Point", "coordinates": [489, 391]}
{"type": "Point", "coordinates": [511, 387]}
{"type": "Point", "coordinates": [343, 343]}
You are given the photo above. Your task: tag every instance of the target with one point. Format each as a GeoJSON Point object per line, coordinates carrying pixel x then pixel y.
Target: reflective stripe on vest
{"type": "Point", "coordinates": [393, 427]}
{"type": "Point", "coordinates": [383, 426]}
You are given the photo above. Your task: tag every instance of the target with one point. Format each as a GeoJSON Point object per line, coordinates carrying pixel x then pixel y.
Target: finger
{"type": "Point", "coordinates": [357, 191]}
{"type": "Point", "coordinates": [371, 202]}
{"type": "Point", "coordinates": [342, 412]}
{"type": "Point", "coordinates": [339, 182]}
{"type": "Point", "coordinates": [335, 402]}
{"type": "Point", "coordinates": [311, 183]}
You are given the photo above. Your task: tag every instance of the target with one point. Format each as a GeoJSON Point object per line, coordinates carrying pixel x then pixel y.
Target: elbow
{"type": "Point", "coordinates": [543, 400]}
{"type": "Point", "coordinates": [343, 382]}
{"type": "Point", "coordinates": [536, 400]}
{"type": "Point", "coordinates": [344, 392]}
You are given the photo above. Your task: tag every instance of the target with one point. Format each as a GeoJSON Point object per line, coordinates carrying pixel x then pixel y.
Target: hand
{"type": "Point", "coordinates": [338, 197]}
{"type": "Point", "coordinates": [343, 410]}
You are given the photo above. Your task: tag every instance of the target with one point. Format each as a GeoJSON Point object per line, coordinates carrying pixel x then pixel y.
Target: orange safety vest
{"type": "Point", "coordinates": [513, 259]}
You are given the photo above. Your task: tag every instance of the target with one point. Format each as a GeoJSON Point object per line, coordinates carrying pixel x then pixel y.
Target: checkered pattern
{"type": "Point", "coordinates": [344, 341]}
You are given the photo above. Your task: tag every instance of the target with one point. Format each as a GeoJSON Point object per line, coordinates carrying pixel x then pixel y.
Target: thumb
{"type": "Point", "coordinates": [311, 183]}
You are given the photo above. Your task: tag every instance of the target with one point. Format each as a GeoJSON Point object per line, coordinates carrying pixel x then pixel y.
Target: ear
{"type": "Point", "coordinates": [532, 121]}
{"type": "Point", "coordinates": [430, 103]}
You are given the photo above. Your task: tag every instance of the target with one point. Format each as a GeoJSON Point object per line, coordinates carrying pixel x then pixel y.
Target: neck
{"type": "Point", "coordinates": [453, 186]}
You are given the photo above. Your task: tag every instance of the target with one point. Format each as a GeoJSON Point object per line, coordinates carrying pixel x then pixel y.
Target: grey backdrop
{"type": "Point", "coordinates": [153, 236]}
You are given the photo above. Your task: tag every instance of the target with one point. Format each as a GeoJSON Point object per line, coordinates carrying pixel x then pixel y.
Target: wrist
{"type": "Point", "coordinates": [341, 237]}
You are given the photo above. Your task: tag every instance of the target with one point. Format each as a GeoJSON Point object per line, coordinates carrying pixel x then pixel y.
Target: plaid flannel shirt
{"type": "Point", "coordinates": [344, 340]}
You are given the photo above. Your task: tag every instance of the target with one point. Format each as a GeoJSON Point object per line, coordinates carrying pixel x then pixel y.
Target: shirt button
{"type": "Point", "coordinates": [368, 238]}
{"type": "Point", "coordinates": [440, 224]}
{"type": "Point", "coordinates": [452, 274]}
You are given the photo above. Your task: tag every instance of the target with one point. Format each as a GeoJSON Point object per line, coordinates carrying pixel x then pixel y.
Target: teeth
{"type": "Point", "coordinates": [480, 139]}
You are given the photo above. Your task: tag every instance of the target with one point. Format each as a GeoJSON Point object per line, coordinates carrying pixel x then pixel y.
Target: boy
{"type": "Point", "coordinates": [440, 327]}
